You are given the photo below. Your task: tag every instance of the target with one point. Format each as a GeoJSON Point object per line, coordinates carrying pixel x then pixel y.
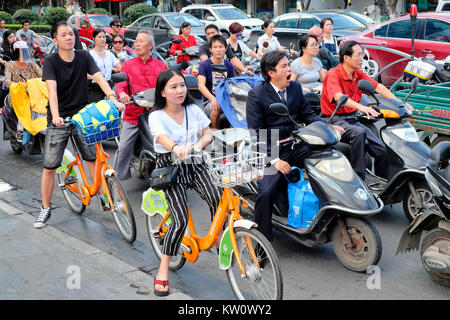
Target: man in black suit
{"type": "Point", "coordinates": [276, 70]}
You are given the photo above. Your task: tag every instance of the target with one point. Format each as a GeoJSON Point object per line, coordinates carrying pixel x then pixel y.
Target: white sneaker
{"type": "Point", "coordinates": [41, 221]}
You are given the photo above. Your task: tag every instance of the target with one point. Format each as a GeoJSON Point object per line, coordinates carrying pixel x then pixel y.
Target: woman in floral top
{"type": "Point", "coordinates": [20, 70]}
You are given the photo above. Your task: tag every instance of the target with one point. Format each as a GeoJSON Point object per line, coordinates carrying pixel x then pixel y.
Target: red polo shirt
{"type": "Point", "coordinates": [142, 76]}
{"type": "Point", "coordinates": [337, 80]}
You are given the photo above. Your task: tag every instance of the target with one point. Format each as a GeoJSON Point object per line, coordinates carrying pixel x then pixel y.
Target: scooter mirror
{"type": "Point", "coordinates": [339, 104]}
{"type": "Point", "coordinates": [279, 109]}
{"type": "Point", "coordinates": [414, 84]}
{"type": "Point", "coordinates": [219, 68]}
{"type": "Point", "coordinates": [118, 77]}
{"type": "Point", "coordinates": [177, 41]}
{"type": "Point", "coordinates": [366, 87]}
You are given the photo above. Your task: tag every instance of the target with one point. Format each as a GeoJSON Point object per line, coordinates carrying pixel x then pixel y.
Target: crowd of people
{"type": "Point", "coordinates": [178, 125]}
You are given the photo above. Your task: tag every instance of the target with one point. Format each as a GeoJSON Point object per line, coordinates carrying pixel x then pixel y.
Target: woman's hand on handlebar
{"type": "Point", "coordinates": [181, 151]}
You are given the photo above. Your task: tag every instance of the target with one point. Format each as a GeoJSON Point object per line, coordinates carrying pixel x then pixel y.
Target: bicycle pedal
{"type": "Point", "coordinates": [70, 180]}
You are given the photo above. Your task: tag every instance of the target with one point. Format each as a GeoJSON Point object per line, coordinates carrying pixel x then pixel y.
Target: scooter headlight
{"type": "Point", "coordinates": [313, 140]}
{"type": "Point", "coordinates": [338, 168]}
{"type": "Point", "coordinates": [408, 134]}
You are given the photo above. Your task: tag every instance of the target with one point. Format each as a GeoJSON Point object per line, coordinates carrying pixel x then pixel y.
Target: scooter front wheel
{"type": "Point", "coordinates": [440, 240]}
{"type": "Point", "coordinates": [365, 248]}
{"type": "Point", "coordinates": [410, 207]}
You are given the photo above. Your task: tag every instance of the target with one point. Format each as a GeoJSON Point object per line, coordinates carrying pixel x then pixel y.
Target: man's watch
{"type": "Point", "coordinates": [112, 94]}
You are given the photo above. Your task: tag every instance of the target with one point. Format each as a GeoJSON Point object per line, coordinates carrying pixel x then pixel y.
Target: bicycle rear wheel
{"type": "Point", "coordinates": [123, 214]}
{"type": "Point", "coordinates": [72, 198]}
{"type": "Point", "coordinates": [263, 282]}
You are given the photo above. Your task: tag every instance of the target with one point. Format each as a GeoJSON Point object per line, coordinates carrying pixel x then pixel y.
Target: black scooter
{"type": "Point", "coordinates": [435, 245]}
{"type": "Point", "coordinates": [345, 201]}
{"type": "Point", "coordinates": [36, 143]}
{"type": "Point", "coordinates": [408, 155]}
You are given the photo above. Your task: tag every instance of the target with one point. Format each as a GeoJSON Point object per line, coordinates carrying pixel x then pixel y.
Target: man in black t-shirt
{"type": "Point", "coordinates": [205, 53]}
{"type": "Point", "coordinates": [65, 74]}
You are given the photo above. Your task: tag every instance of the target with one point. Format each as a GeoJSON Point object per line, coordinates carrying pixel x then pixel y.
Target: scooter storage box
{"type": "Point", "coordinates": [419, 69]}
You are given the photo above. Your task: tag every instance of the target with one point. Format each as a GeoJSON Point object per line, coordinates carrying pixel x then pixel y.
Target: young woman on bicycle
{"type": "Point", "coordinates": [106, 62]}
{"type": "Point", "coordinates": [176, 124]}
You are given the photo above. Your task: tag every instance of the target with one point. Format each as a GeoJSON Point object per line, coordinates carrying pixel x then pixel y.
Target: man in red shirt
{"type": "Point", "coordinates": [344, 80]}
{"type": "Point", "coordinates": [142, 73]}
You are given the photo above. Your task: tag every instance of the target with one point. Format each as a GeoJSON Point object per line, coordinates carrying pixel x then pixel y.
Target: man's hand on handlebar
{"type": "Point", "coordinates": [58, 121]}
{"type": "Point", "coordinates": [369, 111]}
{"type": "Point", "coordinates": [120, 106]}
{"type": "Point", "coordinates": [124, 98]}
{"type": "Point", "coordinates": [410, 107]}
{"type": "Point", "coordinates": [339, 129]}
{"type": "Point", "coordinates": [282, 166]}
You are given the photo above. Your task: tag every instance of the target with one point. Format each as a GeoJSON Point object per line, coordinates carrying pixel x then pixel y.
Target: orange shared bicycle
{"type": "Point", "coordinates": [248, 258]}
{"type": "Point", "coordinates": [78, 192]}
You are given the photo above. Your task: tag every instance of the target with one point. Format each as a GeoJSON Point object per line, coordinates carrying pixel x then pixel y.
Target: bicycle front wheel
{"type": "Point", "coordinates": [73, 199]}
{"type": "Point", "coordinates": [263, 282]}
{"type": "Point", "coordinates": [122, 213]}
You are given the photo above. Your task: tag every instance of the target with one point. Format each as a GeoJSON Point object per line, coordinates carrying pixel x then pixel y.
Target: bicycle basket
{"type": "Point", "coordinates": [227, 171]}
{"type": "Point", "coordinates": [101, 131]}
{"type": "Point", "coordinates": [98, 121]}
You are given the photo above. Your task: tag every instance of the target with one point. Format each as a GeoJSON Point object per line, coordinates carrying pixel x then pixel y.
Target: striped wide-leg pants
{"type": "Point", "coordinates": [190, 175]}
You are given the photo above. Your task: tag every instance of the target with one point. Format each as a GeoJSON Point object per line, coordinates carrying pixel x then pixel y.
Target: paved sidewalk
{"type": "Point", "coordinates": [50, 264]}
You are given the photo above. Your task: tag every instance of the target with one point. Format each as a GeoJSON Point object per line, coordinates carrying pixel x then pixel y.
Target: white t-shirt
{"type": "Point", "coordinates": [273, 43]}
{"type": "Point", "coordinates": [105, 65]}
{"type": "Point", "coordinates": [161, 123]}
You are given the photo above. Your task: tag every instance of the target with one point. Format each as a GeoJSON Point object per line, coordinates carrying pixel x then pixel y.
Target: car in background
{"type": "Point", "coordinates": [165, 26]}
{"type": "Point", "coordinates": [432, 37]}
{"type": "Point", "coordinates": [290, 27]}
{"type": "Point", "coordinates": [443, 6]}
{"type": "Point", "coordinates": [222, 15]}
{"type": "Point", "coordinates": [87, 23]}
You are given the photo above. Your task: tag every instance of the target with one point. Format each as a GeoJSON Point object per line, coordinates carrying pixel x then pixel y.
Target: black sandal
{"type": "Point", "coordinates": [164, 283]}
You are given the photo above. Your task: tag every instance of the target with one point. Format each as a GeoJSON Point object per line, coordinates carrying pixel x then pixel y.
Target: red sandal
{"type": "Point", "coordinates": [164, 283]}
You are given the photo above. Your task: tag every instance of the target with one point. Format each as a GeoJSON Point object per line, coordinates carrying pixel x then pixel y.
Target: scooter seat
{"type": "Point", "coordinates": [343, 147]}
{"type": "Point", "coordinates": [144, 127]}
{"type": "Point", "coordinates": [440, 152]}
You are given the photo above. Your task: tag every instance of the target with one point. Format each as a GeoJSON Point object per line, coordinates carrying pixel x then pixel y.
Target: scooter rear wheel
{"type": "Point", "coordinates": [366, 247]}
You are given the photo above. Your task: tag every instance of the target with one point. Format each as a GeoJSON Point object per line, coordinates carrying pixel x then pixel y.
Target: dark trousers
{"type": "Point", "coordinates": [269, 186]}
{"type": "Point", "coordinates": [356, 135]}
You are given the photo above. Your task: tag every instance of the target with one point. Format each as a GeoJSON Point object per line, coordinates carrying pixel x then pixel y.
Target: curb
{"type": "Point", "coordinates": [140, 280]}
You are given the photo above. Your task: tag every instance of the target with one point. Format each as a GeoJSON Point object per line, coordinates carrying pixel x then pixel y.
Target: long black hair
{"type": "Point", "coordinates": [161, 82]}
{"type": "Point", "coordinates": [8, 48]}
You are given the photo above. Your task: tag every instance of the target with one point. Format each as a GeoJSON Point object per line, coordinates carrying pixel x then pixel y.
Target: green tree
{"type": "Point", "coordinates": [26, 14]}
{"type": "Point", "coordinates": [55, 15]}
{"type": "Point", "coordinates": [136, 11]}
